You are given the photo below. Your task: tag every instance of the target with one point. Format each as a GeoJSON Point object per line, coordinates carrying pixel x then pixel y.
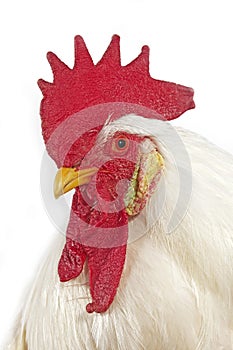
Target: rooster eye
{"type": "Point", "coordinates": [120, 144]}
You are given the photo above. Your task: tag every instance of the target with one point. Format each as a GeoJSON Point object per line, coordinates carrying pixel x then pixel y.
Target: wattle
{"type": "Point", "coordinates": [100, 238]}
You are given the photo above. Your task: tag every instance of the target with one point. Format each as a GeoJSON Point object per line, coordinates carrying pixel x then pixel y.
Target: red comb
{"type": "Point", "coordinates": [88, 85]}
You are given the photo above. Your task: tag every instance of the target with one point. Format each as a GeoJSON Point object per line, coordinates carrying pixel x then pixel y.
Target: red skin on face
{"type": "Point", "coordinates": [98, 226]}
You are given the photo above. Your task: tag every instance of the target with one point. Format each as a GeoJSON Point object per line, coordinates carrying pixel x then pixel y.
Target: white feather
{"type": "Point", "coordinates": [177, 286]}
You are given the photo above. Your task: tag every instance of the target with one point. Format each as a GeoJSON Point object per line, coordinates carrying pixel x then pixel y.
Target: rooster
{"type": "Point", "coordinates": [146, 262]}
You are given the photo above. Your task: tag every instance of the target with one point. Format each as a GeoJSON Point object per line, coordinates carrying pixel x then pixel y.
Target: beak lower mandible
{"type": "Point", "coordinates": [68, 178]}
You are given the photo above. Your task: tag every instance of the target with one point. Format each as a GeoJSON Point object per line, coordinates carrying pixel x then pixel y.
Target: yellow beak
{"type": "Point", "coordinates": [68, 178]}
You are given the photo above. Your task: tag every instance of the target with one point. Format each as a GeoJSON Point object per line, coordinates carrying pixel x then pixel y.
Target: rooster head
{"type": "Point", "coordinates": [112, 170]}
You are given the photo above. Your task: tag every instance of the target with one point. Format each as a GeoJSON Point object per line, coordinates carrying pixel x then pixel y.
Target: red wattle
{"type": "Point", "coordinates": [72, 260]}
{"type": "Point", "coordinates": [101, 238]}
{"type": "Point", "coordinates": [105, 269]}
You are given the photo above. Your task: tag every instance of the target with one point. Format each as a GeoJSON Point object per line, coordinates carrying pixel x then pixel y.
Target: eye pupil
{"type": "Point", "coordinates": [121, 143]}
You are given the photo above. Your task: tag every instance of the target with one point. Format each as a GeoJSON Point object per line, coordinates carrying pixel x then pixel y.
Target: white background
{"type": "Point", "coordinates": [191, 44]}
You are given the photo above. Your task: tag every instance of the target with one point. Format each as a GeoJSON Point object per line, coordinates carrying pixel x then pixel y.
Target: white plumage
{"type": "Point", "coordinates": [176, 290]}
